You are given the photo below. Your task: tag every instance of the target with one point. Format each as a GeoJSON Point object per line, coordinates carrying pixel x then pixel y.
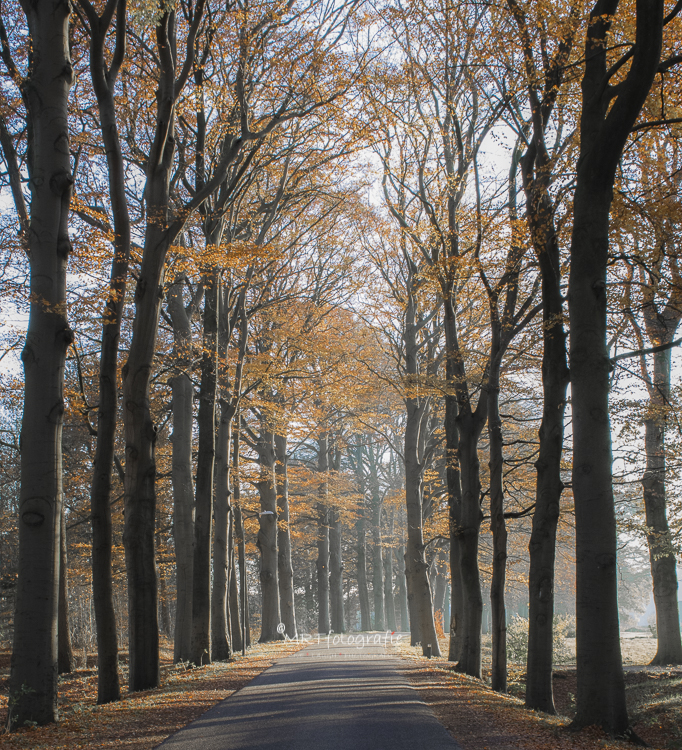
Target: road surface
{"type": "Point", "coordinates": [329, 696]}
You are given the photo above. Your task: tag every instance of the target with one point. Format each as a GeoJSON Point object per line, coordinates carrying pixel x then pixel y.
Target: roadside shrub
{"type": "Point", "coordinates": [517, 639]}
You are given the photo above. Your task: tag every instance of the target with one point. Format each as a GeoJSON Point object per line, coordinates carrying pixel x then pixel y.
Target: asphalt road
{"type": "Point", "coordinates": [343, 696]}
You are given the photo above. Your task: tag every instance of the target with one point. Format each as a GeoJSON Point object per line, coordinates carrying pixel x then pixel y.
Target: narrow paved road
{"type": "Point", "coordinates": [325, 697]}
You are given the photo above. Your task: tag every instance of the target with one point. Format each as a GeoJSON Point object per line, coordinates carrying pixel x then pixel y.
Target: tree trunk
{"type": "Point", "coordinates": [323, 620]}
{"type": "Point", "coordinates": [468, 534]}
{"type": "Point", "coordinates": [661, 552]}
{"type": "Point", "coordinates": [542, 546]}
{"type": "Point", "coordinates": [606, 123]}
{"type": "Point", "coordinates": [456, 595]}
{"type": "Point", "coordinates": [221, 649]}
{"type": "Point", "coordinates": [203, 520]}
{"type": "Point", "coordinates": [241, 542]}
{"type": "Point", "coordinates": [33, 678]}
{"type": "Point", "coordinates": [285, 569]}
{"type": "Point", "coordinates": [104, 79]}
{"type": "Point", "coordinates": [267, 536]}
{"type": "Point", "coordinates": [377, 563]}
{"type": "Point", "coordinates": [363, 592]}
{"type": "Point", "coordinates": [233, 596]}
{"type": "Point", "coordinates": [181, 472]}
{"type": "Point", "coordinates": [498, 525]}
{"type": "Point", "coordinates": [389, 601]}
{"type": "Point", "coordinates": [64, 650]}
{"type": "Point", "coordinates": [335, 573]}
{"type": "Point", "coordinates": [441, 583]}
{"type": "Point", "coordinates": [402, 589]}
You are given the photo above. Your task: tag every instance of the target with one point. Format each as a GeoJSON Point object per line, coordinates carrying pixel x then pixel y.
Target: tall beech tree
{"type": "Point", "coordinates": [613, 94]}
{"type": "Point", "coordinates": [104, 77]}
{"type": "Point", "coordinates": [44, 88]}
{"type": "Point", "coordinates": [538, 164]}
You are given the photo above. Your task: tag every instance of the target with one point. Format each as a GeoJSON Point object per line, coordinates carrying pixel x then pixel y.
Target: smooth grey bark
{"type": "Point", "coordinates": [377, 551]}
{"type": "Point", "coordinates": [361, 571]}
{"type": "Point", "coordinates": [104, 77]}
{"type": "Point", "coordinates": [464, 496]}
{"type": "Point", "coordinates": [606, 122]}
{"type": "Point", "coordinates": [236, 634]}
{"type": "Point", "coordinates": [402, 589]}
{"type": "Point", "coordinates": [267, 535]}
{"type": "Point", "coordinates": [221, 604]}
{"type": "Point", "coordinates": [335, 573]}
{"type": "Point", "coordinates": [660, 326]}
{"type": "Point", "coordinates": [226, 632]}
{"type": "Point", "coordinates": [423, 628]}
{"type": "Point", "coordinates": [389, 600]}
{"type": "Point", "coordinates": [64, 650]}
{"type": "Point", "coordinates": [241, 541]}
{"type": "Point", "coordinates": [322, 565]}
{"type": "Point", "coordinates": [440, 565]}
{"type": "Point", "coordinates": [45, 90]}
{"type": "Point", "coordinates": [181, 466]}
{"type": "Point", "coordinates": [356, 456]}
{"type": "Point", "coordinates": [204, 488]}
{"type": "Point", "coordinates": [285, 567]}
{"type": "Point", "coordinates": [659, 539]}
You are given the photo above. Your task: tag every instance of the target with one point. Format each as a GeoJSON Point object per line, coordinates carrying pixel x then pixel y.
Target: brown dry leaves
{"type": "Point", "coordinates": [480, 719]}
{"type": "Point", "coordinates": [141, 720]}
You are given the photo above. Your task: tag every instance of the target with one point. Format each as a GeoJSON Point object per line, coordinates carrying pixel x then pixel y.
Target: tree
{"type": "Point", "coordinates": [45, 93]}
{"type": "Point", "coordinates": [609, 112]}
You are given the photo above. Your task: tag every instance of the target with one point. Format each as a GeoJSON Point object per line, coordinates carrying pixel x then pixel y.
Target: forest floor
{"type": "Point", "coordinates": [139, 721]}
{"type": "Point", "coordinates": [480, 718]}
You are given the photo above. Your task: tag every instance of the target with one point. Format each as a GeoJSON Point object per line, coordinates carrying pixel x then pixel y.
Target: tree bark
{"type": "Point", "coordinates": [498, 525]}
{"type": "Point", "coordinates": [389, 600]}
{"type": "Point", "coordinates": [402, 589]}
{"type": "Point", "coordinates": [605, 125]}
{"type": "Point", "coordinates": [64, 650]}
{"type": "Point", "coordinates": [104, 80]}
{"type": "Point", "coordinates": [33, 677]}
{"type": "Point", "coordinates": [542, 546]}
{"type": "Point", "coordinates": [418, 589]}
{"type": "Point", "coordinates": [285, 568]}
{"type": "Point", "coordinates": [659, 539]}
{"type": "Point", "coordinates": [267, 536]}
{"type": "Point", "coordinates": [323, 619]}
{"type": "Point", "coordinates": [335, 573]}
{"type": "Point", "coordinates": [241, 541]}
{"type": "Point", "coordinates": [203, 520]}
{"type": "Point", "coordinates": [181, 471]}
{"type": "Point", "coordinates": [221, 633]}
{"type": "Point", "coordinates": [363, 592]}
{"type": "Point", "coordinates": [236, 634]}
{"type": "Point", "coordinates": [377, 561]}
